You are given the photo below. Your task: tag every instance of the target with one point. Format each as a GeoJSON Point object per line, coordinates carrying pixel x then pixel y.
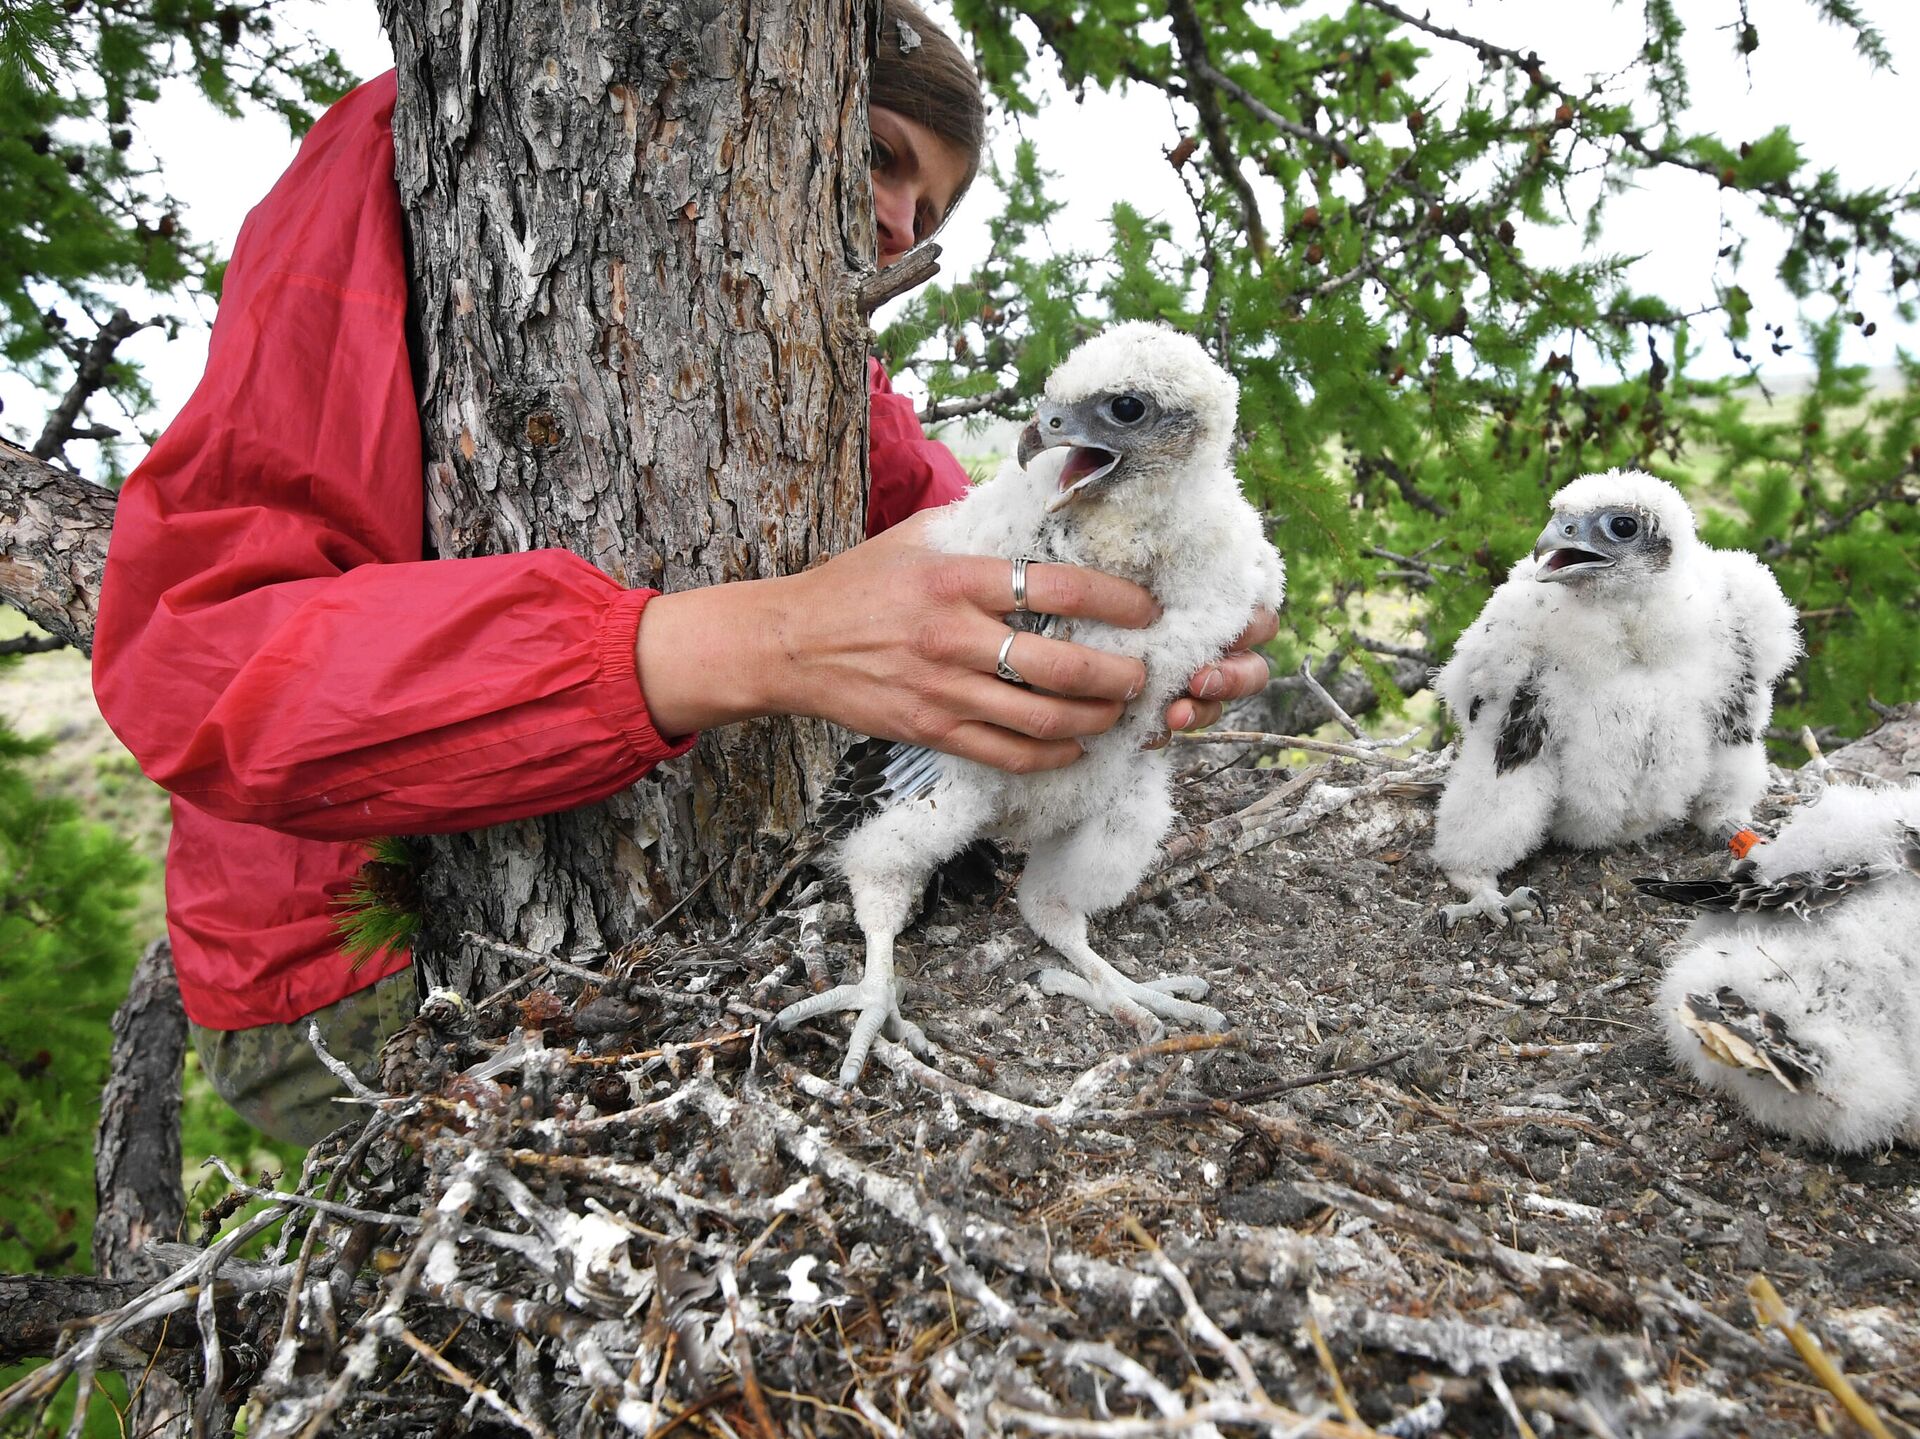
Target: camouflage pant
{"type": "Point", "coordinates": [274, 1080]}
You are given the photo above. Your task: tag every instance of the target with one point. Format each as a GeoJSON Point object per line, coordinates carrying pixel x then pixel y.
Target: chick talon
{"type": "Point", "coordinates": [1496, 908]}
{"type": "Point", "coordinates": [1129, 1000]}
{"type": "Point", "coordinates": [875, 1004]}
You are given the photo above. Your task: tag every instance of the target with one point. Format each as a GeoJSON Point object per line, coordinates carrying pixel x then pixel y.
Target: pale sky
{"type": "Point", "coordinates": [1805, 75]}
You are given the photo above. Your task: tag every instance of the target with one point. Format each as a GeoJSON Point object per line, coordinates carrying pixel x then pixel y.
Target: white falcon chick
{"type": "Point", "coordinates": [1126, 468]}
{"type": "Point", "coordinates": [1798, 991]}
{"type": "Point", "coordinates": [1619, 681]}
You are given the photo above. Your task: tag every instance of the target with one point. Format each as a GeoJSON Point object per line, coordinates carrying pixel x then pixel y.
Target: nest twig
{"type": "Point", "coordinates": [669, 1223]}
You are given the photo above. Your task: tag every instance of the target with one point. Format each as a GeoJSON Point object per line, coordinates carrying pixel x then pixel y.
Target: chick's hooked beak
{"type": "Point", "coordinates": [1088, 464]}
{"type": "Point", "coordinates": [1571, 546]}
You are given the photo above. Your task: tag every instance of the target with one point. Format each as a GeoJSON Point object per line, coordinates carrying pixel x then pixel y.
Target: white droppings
{"type": "Point", "coordinates": [800, 1287]}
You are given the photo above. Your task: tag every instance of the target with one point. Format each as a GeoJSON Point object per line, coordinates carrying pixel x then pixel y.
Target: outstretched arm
{"type": "Point", "coordinates": [898, 640]}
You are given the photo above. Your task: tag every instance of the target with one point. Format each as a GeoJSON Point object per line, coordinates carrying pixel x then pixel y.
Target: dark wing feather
{"type": "Point", "coordinates": [1733, 716]}
{"type": "Point", "coordinates": [874, 775]}
{"type": "Point", "coordinates": [1523, 733]}
{"type": "Point", "coordinates": [1736, 1033]}
{"type": "Point", "coordinates": [970, 877]}
{"type": "Point", "coordinates": [1744, 892]}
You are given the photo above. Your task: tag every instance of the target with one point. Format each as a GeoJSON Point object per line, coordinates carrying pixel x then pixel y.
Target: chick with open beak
{"type": "Point", "coordinates": [1579, 544]}
{"type": "Point", "coordinates": [1103, 430]}
{"type": "Point", "coordinates": [1619, 681]}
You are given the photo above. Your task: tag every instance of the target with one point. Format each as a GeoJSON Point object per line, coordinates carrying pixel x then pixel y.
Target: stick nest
{"type": "Point", "coordinates": [1431, 1184]}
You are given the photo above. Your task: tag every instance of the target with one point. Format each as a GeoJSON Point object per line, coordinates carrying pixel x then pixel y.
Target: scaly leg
{"type": "Point", "coordinates": [887, 861]}
{"type": "Point", "coordinates": [1093, 868]}
{"type": "Point", "coordinates": [1140, 1006]}
{"type": "Point", "coordinates": [874, 999]}
{"type": "Point", "coordinates": [1486, 901]}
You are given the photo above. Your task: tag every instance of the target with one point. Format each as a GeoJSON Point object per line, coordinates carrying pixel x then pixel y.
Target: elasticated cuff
{"type": "Point", "coordinates": [613, 652]}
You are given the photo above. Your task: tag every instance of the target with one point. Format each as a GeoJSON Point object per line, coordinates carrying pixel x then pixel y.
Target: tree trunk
{"type": "Point", "coordinates": [139, 1198]}
{"type": "Point", "coordinates": [634, 225]}
{"type": "Point", "coordinates": [136, 1154]}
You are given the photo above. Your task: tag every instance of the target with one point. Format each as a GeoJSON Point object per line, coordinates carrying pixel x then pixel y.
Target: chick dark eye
{"type": "Point", "coordinates": [1127, 409]}
{"type": "Point", "coordinates": [1623, 527]}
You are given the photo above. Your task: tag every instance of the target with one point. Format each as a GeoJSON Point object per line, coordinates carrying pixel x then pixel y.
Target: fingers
{"type": "Point", "coordinates": [1264, 625]}
{"type": "Point", "coordinates": [1005, 750]}
{"type": "Point", "coordinates": [1038, 716]}
{"type": "Point", "coordinates": [1063, 668]}
{"type": "Point", "coordinates": [1186, 714]}
{"type": "Point", "coordinates": [1054, 589]}
{"type": "Point", "coordinates": [1232, 677]}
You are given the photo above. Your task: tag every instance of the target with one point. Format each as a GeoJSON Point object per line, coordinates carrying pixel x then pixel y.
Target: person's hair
{"type": "Point", "coordinates": [919, 72]}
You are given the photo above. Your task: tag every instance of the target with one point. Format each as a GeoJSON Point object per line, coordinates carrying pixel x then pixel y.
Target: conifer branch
{"type": "Point", "coordinates": [91, 364]}
{"type": "Point", "coordinates": [999, 402]}
{"type": "Point", "coordinates": [1190, 37]}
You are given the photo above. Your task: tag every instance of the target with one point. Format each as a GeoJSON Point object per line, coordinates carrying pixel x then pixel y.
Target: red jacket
{"type": "Point", "coordinates": [276, 652]}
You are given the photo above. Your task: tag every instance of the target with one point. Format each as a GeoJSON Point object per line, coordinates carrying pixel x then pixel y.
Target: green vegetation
{"type": "Point", "coordinates": [84, 214]}
{"type": "Point", "coordinates": [1415, 383]}
{"type": "Point", "coordinates": [64, 959]}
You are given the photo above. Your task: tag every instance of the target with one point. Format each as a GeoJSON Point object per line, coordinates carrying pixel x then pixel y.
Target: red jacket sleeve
{"type": "Point", "coordinates": [909, 471]}
{"type": "Point", "coordinates": [271, 645]}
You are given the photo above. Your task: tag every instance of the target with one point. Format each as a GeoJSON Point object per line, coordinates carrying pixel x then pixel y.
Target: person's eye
{"type": "Point", "coordinates": [880, 154]}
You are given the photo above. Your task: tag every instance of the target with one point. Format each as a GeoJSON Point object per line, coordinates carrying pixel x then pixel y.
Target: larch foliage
{"type": "Point", "coordinates": [1415, 380]}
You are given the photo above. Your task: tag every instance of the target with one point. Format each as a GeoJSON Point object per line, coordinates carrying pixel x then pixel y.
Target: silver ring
{"type": "Point", "coordinates": [1000, 666]}
{"type": "Point", "coordinates": [1020, 583]}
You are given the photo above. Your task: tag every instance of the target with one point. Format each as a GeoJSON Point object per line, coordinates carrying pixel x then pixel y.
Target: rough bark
{"type": "Point", "coordinates": [53, 544]}
{"type": "Point", "coordinates": [140, 1202]}
{"type": "Point", "coordinates": [136, 1156]}
{"type": "Point", "coordinates": [1891, 752]}
{"type": "Point", "coordinates": [39, 1307]}
{"type": "Point", "coordinates": [634, 228]}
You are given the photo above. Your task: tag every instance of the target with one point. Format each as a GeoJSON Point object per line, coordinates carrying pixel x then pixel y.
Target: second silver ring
{"type": "Point", "coordinates": [1020, 582]}
{"type": "Point", "coordinates": [1002, 667]}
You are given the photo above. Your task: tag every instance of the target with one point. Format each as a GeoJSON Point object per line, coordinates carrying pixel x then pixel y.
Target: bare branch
{"type": "Point", "coordinates": [909, 272]}
{"type": "Point", "coordinates": [1295, 741]}
{"type": "Point", "coordinates": [995, 403]}
{"type": "Point", "coordinates": [1190, 37]}
{"type": "Point", "coordinates": [1893, 491]}
{"type": "Point", "coordinates": [90, 377]}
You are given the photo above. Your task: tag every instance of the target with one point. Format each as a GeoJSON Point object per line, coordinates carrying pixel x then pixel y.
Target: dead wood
{"type": "Point", "coordinates": [639, 1213]}
{"type": "Point", "coordinates": [140, 1202]}
{"type": "Point", "coordinates": [40, 1309]}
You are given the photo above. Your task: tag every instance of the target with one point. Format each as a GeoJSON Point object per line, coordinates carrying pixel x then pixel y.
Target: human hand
{"type": "Point", "coordinates": [892, 638]}
{"type": "Point", "coordinates": [1235, 675]}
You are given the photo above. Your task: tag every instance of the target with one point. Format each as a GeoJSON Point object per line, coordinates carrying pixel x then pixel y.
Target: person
{"type": "Point", "coordinates": [277, 651]}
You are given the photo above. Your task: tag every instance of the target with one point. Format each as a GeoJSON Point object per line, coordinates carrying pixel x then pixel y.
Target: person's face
{"type": "Point", "coordinates": [916, 174]}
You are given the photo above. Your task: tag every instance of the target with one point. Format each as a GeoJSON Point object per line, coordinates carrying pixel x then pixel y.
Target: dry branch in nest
{"type": "Point", "coordinates": [622, 1206]}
